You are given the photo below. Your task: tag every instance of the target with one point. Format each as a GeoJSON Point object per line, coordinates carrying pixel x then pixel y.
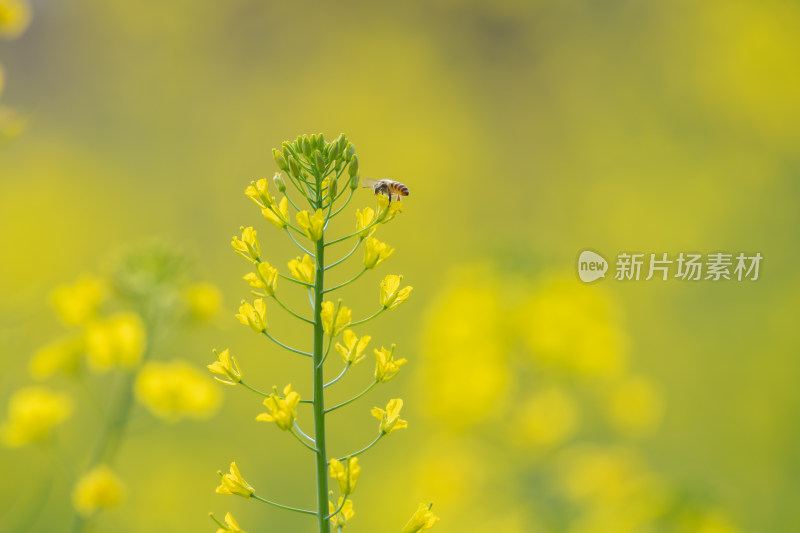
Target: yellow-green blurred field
{"type": "Point", "coordinates": [527, 132]}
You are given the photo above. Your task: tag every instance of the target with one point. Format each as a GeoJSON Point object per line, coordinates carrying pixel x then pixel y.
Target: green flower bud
{"type": "Point", "coordinates": [279, 183]}
{"type": "Point", "coordinates": [353, 166]}
{"type": "Point", "coordinates": [333, 151]}
{"type": "Point", "coordinates": [354, 181]}
{"type": "Point", "coordinates": [321, 140]}
{"type": "Point", "coordinates": [333, 186]}
{"type": "Point", "coordinates": [319, 160]}
{"type": "Point", "coordinates": [314, 142]}
{"type": "Point", "coordinates": [341, 142]}
{"type": "Point", "coordinates": [282, 164]}
{"type": "Point", "coordinates": [351, 150]}
{"type": "Point", "coordinates": [306, 146]}
{"type": "Point", "coordinates": [294, 168]}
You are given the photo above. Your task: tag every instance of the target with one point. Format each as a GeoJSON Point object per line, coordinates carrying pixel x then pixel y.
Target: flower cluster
{"type": "Point", "coordinates": [326, 176]}
{"type": "Point", "coordinates": [111, 324]}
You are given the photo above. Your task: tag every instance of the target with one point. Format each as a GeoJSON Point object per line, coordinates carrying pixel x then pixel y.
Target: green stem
{"type": "Point", "coordinates": [301, 441]}
{"type": "Point", "coordinates": [319, 394]}
{"type": "Point", "coordinates": [289, 233]}
{"type": "Point", "coordinates": [304, 319]}
{"type": "Point", "coordinates": [344, 204]}
{"type": "Point", "coordinates": [362, 450]}
{"type": "Point", "coordinates": [279, 343]}
{"type": "Point", "coordinates": [345, 258]}
{"type": "Point", "coordinates": [295, 509]}
{"type": "Point", "coordinates": [284, 276]}
{"type": "Point", "coordinates": [346, 283]}
{"type": "Point", "coordinates": [381, 310]}
{"type": "Point", "coordinates": [354, 398]}
{"type": "Point", "coordinates": [337, 378]}
{"type": "Point", "coordinates": [344, 500]}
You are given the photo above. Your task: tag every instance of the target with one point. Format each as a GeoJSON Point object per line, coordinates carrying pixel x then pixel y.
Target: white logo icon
{"type": "Point", "coordinates": [591, 266]}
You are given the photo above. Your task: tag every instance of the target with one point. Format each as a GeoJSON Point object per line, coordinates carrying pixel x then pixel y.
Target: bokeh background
{"type": "Point", "coordinates": [527, 132]}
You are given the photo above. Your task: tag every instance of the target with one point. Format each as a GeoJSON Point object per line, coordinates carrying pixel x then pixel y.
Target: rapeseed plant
{"type": "Point", "coordinates": [113, 326]}
{"type": "Point", "coordinates": [323, 177]}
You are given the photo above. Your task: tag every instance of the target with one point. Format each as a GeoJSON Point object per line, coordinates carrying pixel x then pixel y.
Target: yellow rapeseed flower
{"type": "Point", "coordinates": [226, 367]}
{"type": "Point", "coordinates": [423, 519]}
{"type": "Point", "coordinates": [303, 270]}
{"type": "Point", "coordinates": [386, 367]}
{"type": "Point", "coordinates": [78, 304]}
{"type": "Point", "coordinates": [32, 414]}
{"type": "Point", "coordinates": [388, 211]}
{"type": "Point", "coordinates": [258, 191]}
{"type": "Point", "coordinates": [390, 418]}
{"type": "Point", "coordinates": [233, 483]}
{"type": "Point", "coordinates": [176, 389]}
{"type": "Point", "coordinates": [391, 293]}
{"type": "Point", "coordinates": [282, 411]}
{"type": "Point", "coordinates": [232, 525]}
{"type": "Point", "coordinates": [254, 315]}
{"type": "Point", "coordinates": [264, 278]}
{"type": "Point", "coordinates": [15, 15]}
{"type": "Point", "coordinates": [363, 219]}
{"type": "Point", "coordinates": [277, 214]}
{"type": "Point", "coordinates": [346, 513]}
{"type": "Point", "coordinates": [117, 341]}
{"type": "Point", "coordinates": [353, 348]}
{"type": "Point", "coordinates": [376, 252]}
{"type": "Point", "coordinates": [247, 246]}
{"type": "Point", "coordinates": [99, 488]}
{"type": "Point", "coordinates": [345, 474]}
{"type": "Point", "coordinates": [203, 300]}
{"type": "Point", "coordinates": [312, 225]}
{"type": "Point", "coordinates": [334, 325]}
{"type": "Point", "coordinates": [62, 356]}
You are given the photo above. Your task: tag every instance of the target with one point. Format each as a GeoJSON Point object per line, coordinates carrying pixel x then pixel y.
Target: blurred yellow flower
{"type": "Point", "coordinates": [591, 475]}
{"type": "Point", "coordinates": [376, 252]}
{"type": "Point", "coordinates": [390, 418]}
{"type": "Point", "coordinates": [15, 15]}
{"type": "Point", "coordinates": [334, 325]}
{"type": "Point", "coordinates": [282, 411]}
{"type": "Point", "coordinates": [259, 192]}
{"type": "Point", "coordinates": [203, 300]}
{"type": "Point", "coordinates": [232, 525]}
{"type": "Point", "coordinates": [391, 294]}
{"type": "Point", "coordinates": [254, 315]}
{"type": "Point", "coordinates": [77, 304]}
{"type": "Point", "coordinates": [345, 474]}
{"type": "Point", "coordinates": [247, 246]}
{"type": "Point", "coordinates": [303, 270]}
{"type": "Point", "coordinates": [386, 367]}
{"type": "Point", "coordinates": [469, 319]}
{"type": "Point", "coordinates": [277, 215]}
{"type": "Point", "coordinates": [176, 389]}
{"type": "Point", "coordinates": [61, 356]}
{"type": "Point", "coordinates": [547, 419]}
{"type": "Point", "coordinates": [32, 414]}
{"type": "Point", "coordinates": [233, 483]}
{"type": "Point", "coordinates": [98, 489]}
{"type": "Point", "coordinates": [575, 328]}
{"type": "Point", "coordinates": [423, 519]}
{"type": "Point", "coordinates": [312, 225]}
{"type": "Point", "coordinates": [345, 514]}
{"type": "Point", "coordinates": [363, 219]}
{"type": "Point", "coordinates": [353, 348]}
{"type": "Point", "coordinates": [226, 367]}
{"type": "Point", "coordinates": [635, 406]}
{"type": "Point", "coordinates": [116, 341]}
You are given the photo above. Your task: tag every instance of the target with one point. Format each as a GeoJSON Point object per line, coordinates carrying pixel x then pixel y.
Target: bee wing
{"type": "Point", "coordinates": [368, 183]}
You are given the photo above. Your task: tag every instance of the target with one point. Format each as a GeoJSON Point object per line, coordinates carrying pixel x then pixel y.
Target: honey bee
{"type": "Point", "coordinates": [389, 188]}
